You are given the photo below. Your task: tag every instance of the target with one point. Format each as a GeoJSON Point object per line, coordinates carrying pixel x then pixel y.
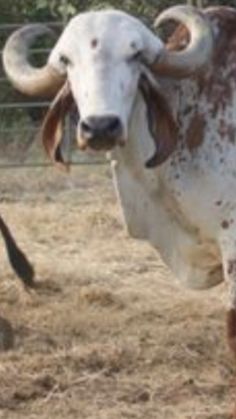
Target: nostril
{"type": "Point", "coordinates": [87, 130]}
{"type": "Point", "coordinates": [85, 127]}
{"type": "Point", "coordinates": [114, 125]}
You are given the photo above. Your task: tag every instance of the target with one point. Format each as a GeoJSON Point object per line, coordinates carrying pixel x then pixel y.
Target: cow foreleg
{"type": "Point", "coordinates": [18, 260]}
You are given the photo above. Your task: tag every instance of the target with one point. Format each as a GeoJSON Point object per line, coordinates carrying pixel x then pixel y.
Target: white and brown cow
{"type": "Point", "coordinates": [167, 115]}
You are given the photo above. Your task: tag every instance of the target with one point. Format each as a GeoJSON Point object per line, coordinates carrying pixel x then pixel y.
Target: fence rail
{"type": "Point", "coordinates": [20, 119]}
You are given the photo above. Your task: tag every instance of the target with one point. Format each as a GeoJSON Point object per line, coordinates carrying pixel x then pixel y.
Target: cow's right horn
{"type": "Point", "coordinates": [44, 81]}
{"type": "Point", "coordinates": [196, 54]}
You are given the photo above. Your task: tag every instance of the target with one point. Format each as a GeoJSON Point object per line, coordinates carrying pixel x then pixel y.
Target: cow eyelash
{"type": "Point", "coordinates": [136, 56]}
{"type": "Point", "coordinates": [64, 60]}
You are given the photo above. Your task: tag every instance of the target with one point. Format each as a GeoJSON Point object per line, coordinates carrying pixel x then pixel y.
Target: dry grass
{"type": "Point", "coordinates": [108, 334]}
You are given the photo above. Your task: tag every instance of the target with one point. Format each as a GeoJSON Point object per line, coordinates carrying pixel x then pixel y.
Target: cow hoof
{"type": "Point", "coordinates": [6, 335]}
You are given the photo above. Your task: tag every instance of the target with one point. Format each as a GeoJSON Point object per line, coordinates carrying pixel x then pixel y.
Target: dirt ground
{"type": "Point", "coordinates": [108, 334]}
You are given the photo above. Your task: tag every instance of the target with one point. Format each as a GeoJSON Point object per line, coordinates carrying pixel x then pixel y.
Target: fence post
{"type": "Point", "coordinates": [67, 137]}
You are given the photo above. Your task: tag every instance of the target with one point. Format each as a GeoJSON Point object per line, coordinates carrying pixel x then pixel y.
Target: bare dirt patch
{"type": "Point", "coordinates": [107, 334]}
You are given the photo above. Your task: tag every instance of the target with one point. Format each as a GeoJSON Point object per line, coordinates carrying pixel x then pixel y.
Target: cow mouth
{"type": "Point", "coordinates": [99, 144]}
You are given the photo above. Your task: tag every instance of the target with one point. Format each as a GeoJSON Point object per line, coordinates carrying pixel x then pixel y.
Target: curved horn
{"type": "Point", "coordinates": [199, 49]}
{"type": "Point", "coordinates": [44, 81]}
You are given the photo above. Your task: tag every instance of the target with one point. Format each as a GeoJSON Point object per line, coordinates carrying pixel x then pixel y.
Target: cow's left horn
{"type": "Point", "coordinates": [199, 49]}
{"type": "Point", "coordinates": [44, 81]}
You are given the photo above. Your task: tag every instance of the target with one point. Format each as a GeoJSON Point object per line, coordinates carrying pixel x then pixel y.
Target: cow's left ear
{"type": "Point", "coordinates": [161, 122]}
{"type": "Point", "coordinates": [52, 128]}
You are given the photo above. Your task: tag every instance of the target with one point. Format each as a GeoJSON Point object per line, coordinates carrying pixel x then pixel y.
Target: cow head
{"type": "Point", "coordinates": [99, 62]}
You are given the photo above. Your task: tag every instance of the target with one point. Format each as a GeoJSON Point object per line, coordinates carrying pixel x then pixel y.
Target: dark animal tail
{"type": "Point", "coordinates": [19, 262]}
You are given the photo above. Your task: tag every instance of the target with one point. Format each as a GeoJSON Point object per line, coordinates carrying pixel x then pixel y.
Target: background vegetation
{"type": "Point", "coordinates": [34, 10]}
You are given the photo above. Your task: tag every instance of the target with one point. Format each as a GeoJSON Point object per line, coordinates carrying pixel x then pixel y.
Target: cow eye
{"type": "Point", "coordinates": [64, 60]}
{"type": "Point", "coordinates": [137, 56]}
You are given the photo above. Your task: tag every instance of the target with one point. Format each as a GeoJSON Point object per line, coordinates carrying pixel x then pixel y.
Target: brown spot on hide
{"type": "Point", "coordinates": [218, 203]}
{"type": "Point", "coordinates": [232, 134]}
{"type": "Point", "coordinates": [227, 130]}
{"type": "Point", "coordinates": [225, 224]}
{"type": "Point", "coordinates": [195, 132]}
{"type": "Point", "coordinates": [222, 130]}
{"type": "Point", "coordinates": [94, 43]}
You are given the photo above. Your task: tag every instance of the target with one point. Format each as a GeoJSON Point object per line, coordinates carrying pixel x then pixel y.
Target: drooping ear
{"type": "Point", "coordinates": [161, 122]}
{"type": "Point", "coordinates": [52, 128]}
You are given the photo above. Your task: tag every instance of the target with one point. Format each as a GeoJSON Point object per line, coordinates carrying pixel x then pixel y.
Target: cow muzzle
{"type": "Point", "coordinates": [100, 133]}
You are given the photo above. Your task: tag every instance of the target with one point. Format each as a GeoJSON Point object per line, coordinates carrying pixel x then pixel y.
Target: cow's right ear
{"type": "Point", "coordinates": [161, 122]}
{"type": "Point", "coordinates": [52, 128]}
